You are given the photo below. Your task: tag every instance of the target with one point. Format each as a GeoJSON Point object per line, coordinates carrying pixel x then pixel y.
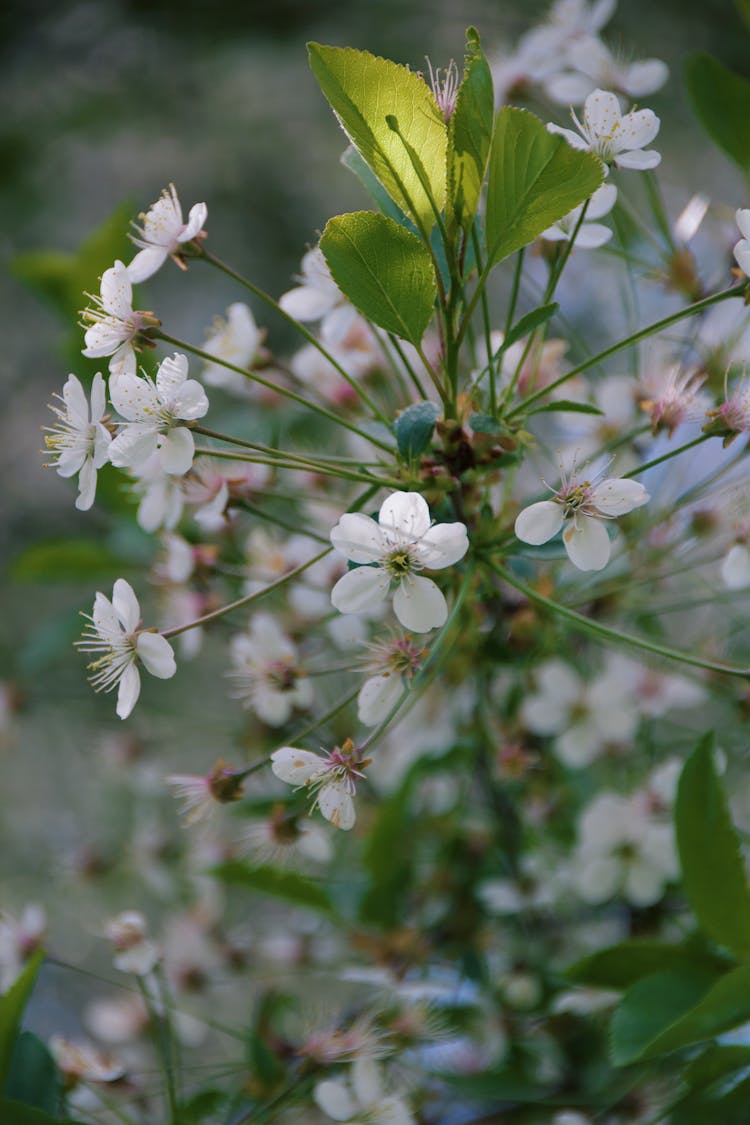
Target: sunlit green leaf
{"type": "Point", "coordinates": [383, 269]}
{"type": "Point", "coordinates": [390, 114]}
{"type": "Point", "coordinates": [721, 100]}
{"type": "Point", "coordinates": [469, 135]}
{"type": "Point", "coordinates": [535, 178]}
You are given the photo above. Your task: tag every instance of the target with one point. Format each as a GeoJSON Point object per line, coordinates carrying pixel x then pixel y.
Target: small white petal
{"type": "Point", "coordinates": [335, 1100]}
{"type": "Point", "coordinates": [616, 497]}
{"type": "Point", "coordinates": [643, 884]}
{"type": "Point", "coordinates": [146, 263]}
{"type": "Point", "coordinates": [128, 691]}
{"type": "Point", "coordinates": [177, 451]}
{"type": "Point", "coordinates": [743, 221]}
{"type": "Point", "coordinates": [157, 655]}
{"type": "Point", "coordinates": [360, 590]}
{"type": "Point", "coordinates": [742, 255]}
{"type": "Point", "coordinates": [443, 545]}
{"type": "Point", "coordinates": [539, 522]}
{"type": "Point", "coordinates": [637, 129]}
{"type": "Point", "coordinates": [190, 402]}
{"type": "Point", "coordinates": [376, 697]}
{"type": "Point", "coordinates": [196, 222]}
{"type": "Point", "coordinates": [639, 160]}
{"type": "Point", "coordinates": [172, 373]}
{"type": "Point", "coordinates": [735, 568]}
{"type": "Point", "coordinates": [133, 446]}
{"type": "Point", "coordinates": [116, 291]}
{"type": "Point", "coordinates": [358, 538]}
{"type": "Point", "coordinates": [294, 766]}
{"type": "Point", "coordinates": [572, 138]}
{"type": "Point", "coordinates": [644, 77]}
{"type": "Point", "coordinates": [592, 235]}
{"type": "Point", "coordinates": [337, 806]}
{"type": "Point", "coordinates": [419, 604]}
{"type": "Point", "coordinates": [601, 113]}
{"type": "Point", "coordinates": [404, 515]}
{"type": "Point", "coordinates": [126, 606]}
{"type": "Point", "coordinates": [587, 543]}
{"type": "Point", "coordinates": [366, 1081]}
{"type": "Point", "coordinates": [86, 486]}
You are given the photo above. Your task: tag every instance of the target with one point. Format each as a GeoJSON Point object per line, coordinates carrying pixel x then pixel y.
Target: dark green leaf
{"type": "Point", "coordinates": [724, 1006]}
{"type": "Point", "coordinates": [388, 862]}
{"type": "Point", "coordinates": [535, 178]}
{"type": "Point", "coordinates": [16, 1113]}
{"type": "Point", "coordinates": [66, 560]}
{"type": "Point", "coordinates": [566, 406]}
{"type": "Point", "coordinates": [721, 101]}
{"type": "Point", "coordinates": [650, 1007]}
{"type": "Point", "coordinates": [486, 424]}
{"type": "Point", "coordinates": [33, 1077]}
{"type": "Point", "coordinates": [529, 322]}
{"type": "Point", "coordinates": [12, 1004]}
{"type": "Point", "coordinates": [287, 885]}
{"type": "Point", "coordinates": [621, 965]}
{"type": "Point", "coordinates": [715, 1063]}
{"type": "Point", "coordinates": [470, 135]}
{"type": "Point", "coordinates": [369, 95]}
{"type": "Point", "coordinates": [414, 426]}
{"type": "Point", "coordinates": [383, 269]}
{"type": "Point", "coordinates": [713, 872]}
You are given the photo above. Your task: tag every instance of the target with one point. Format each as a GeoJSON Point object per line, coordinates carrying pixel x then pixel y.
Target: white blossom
{"type": "Point", "coordinates": [590, 63]}
{"type": "Point", "coordinates": [163, 234]}
{"type": "Point", "coordinates": [134, 953]}
{"type": "Point", "coordinates": [113, 325]}
{"type": "Point", "coordinates": [236, 340]}
{"type": "Point", "coordinates": [115, 638]}
{"type": "Point", "coordinates": [154, 411]}
{"type": "Point", "coordinates": [614, 138]}
{"type": "Point", "coordinates": [79, 439]}
{"type": "Point", "coordinates": [590, 233]}
{"type": "Point", "coordinates": [581, 506]}
{"type": "Point", "coordinates": [361, 1099]}
{"type": "Point", "coordinates": [401, 543]}
{"type": "Point", "coordinates": [318, 297]}
{"type": "Point", "coordinates": [331, 779]}
{"type": "Point", "coordinates": [80, 1062]}
{"type": "Point", "coordinates": [266, 673]}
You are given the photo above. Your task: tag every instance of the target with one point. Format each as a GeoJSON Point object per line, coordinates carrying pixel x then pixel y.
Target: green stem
{"type": "Point", "coordinates": [294, 529]}
{"type": "Point", "coordinates": [299, 467]}
{"type": "Point", "coordinates": [158, 1032]}
{"type": "Point", "coordinates": [486, 322]}
{"type": "Point", "coordinates": [636, 337]}
{"type": "Point", "coordinates": [666, 456]}
{"type": "Point", "coordinates": [308, 335]}
{"type": "Point", "coordinates": [585, 624]}
{"type": "Point", "coordinates": [284, 391]}
{"type": "Point", "coordinates": [240, 603]}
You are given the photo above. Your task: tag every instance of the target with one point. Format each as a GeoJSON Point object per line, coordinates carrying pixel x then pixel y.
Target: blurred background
{"type": "Point", "coordinates": [104, 103]}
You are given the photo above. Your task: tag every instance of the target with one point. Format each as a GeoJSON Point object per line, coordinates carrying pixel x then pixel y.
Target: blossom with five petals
{"type": "Point", "coordinates": [79, 439]}
{"type": "Point", "coordinates": [163, 234]}
{"type": "Point", "coordinates": [115, 638]}
{"type": "Point", "coordinates": [154, 411]}
{"type": "Point", "coordinates": [113, 325]}
{"type": "Point", "coordinates": [331, 779]}
{"type": "Point", "coordinates": [581, 506]}
{"type": "Point", "coordinates": [402, 542]}
{"type": "Point", "coordinates": [614, 138]}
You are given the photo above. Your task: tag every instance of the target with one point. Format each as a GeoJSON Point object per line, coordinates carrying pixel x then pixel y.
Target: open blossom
{"type": "Point", "coordinates": [79, 439]}
{"type": "Point", "coordinates": [402, 542]}
{"type": "Point", "coordinates": [614, 138]}
{"type": "Point", "coordinates": [113, 325]}
{"type": "Point", "coordinates": [394, 664]}
{"type": "Point", "coordinates": [361, 1098]}
{"type": "Point", "coordinates": [331, 779]}
{"type": "Point", "coordinates": [154, 411]}
{"type": "Point", "coordinates": [115, 638]}
{"type": "Point", "coordinates": [590, 234]}
{"type": "Point", "coordinates": [80, 1062]}
{"type": "Point", "coordinates": [318, 297]}
{"type": "Point", "coordinates": [163, 234]}
{"type": "Point", "coordinates": [590, 63]}
{"type": "Point", "coordinates": [581, 506]}
{"type": "Point", "coordinates": [236, 340]}
{"type": "Point", "coordinates": [133, 952]}
{"type": "Point", "coordinates": [265, 672]}
{"type": "Point", "coordinates": [672, 397]}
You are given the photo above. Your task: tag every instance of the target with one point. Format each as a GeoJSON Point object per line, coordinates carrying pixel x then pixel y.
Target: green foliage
{"type": "Point", "coordinates": [286, 885]}
{"type": "Point", "coordinates": [566, 406]}
{"type": "Point", "coordinates": [12, 1004]}
{"type": "Point", "coordinates": [67, 560]}
{"type": "Point", "coordinates": [469, 136]}
{"type": "Point", "coordinates": [391, 116]}
{"type": "Point", "coordinates": [33, 1078]}
{"type": "Point", "coordinates": [535, 178]}
{"type": "Point", "coordinates": [721, 101]}
{"type": "Point", "coordinates": [619, 966]}
{"type": "Point", "coordinates": [383, 269]}
{"type": "Point", "coordinates": [713, 872]}
{"type": "Point", "coordinates": [388, 860]}
{"type": "Point", "coordinates": [352, 159]}
{"type": "Point", "coordinates": [414, 427]}
{"type": "Point", "coordinates": [13, 1112]}
{"type": "Point", "coordinates": [528, 323]}
{"type": "Point", "coordinates": [650, 1007]}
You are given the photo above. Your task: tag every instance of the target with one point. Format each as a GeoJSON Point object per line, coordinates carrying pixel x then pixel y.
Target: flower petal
{"type": "Point", "coordinates": [587, 543]}
{"type": "Point", "coordinates": [358, 538]}
{"type": "Point", "coordinates": [146, 263]}
{"type": "Point", "coordinates": [134, 398]}
{"type": "Point", "coordinates": [644, 77]}
{"type": "Point", "coordinates": [592, 235]}
{"type": "Point", "coordinates": [172, 373]}
{"type": "Point", "coordinates": [336, 804]}
{"type": "Point", "coordinates": [86, 486]}
{"type": "Point", "coordinates": [177, 451]}
{"type": "Point", "coordinates": [196, 222]}
{"type": "Point", "coordinates": [404, 516]}
{"type": "Point", "coordinates": [539, 522]}
{"type": "Point", "coordinates": [335, 1100]}
{"type": "Point", "coordinates": [116, 291]}
{"type": "Point", "coordinates": [743, 221]}
{"type": "Point", "coordinates": [601, 114]}
{"type": "Point", "coordinates": [735, 568]}
{"type": "Point", "coordinates": [376, 697]}
{"type": "Point", "coordinates": [294, 766]}
{"type": "Point", "coordinates": [126, 606]}
{"type": "Point", "coordinates": [419, 604]}
{"type": "Point", "coordinates": [572, 138]}
{"type": "Point", "coordinates": [157, 655]}
{"type": "Point", "coordinates": [639, 160]}
{"type": "Point", "coordinates": [616, 497]}
{"type": "Point", "coordinates": [133, 446]}
{"type": "Point", "coordinates": [190, 402]}
{"type": "Point", "coordinates": [442, 545]}
{"type": "Point", "coordinates": [128, 691]}
{"type": "Point", "coordinates": [637, 129]}
{"type": "Point", "coordinates": [360, 590]}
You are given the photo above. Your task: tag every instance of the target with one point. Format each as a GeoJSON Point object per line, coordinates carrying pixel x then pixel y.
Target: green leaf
{"type": "Point", "coordinates": [12, 1004]}
{"type": "Point", "coordinates": [365, 93]}
{"type": "Point", "coordinates": [721, 102]}
{"type": "Point", "coordinates": [621, 965]}
{"type": "Point", "coordinates": [388, 862]}
{"type": "Point", "coordinates": [353, 160]}
{"type": "Point", "coordinates": [566, 406]}
{"type": "Point", "coordinates": [414, 426]}
{"type": "Point", "coordinates": [486, 424]}
{"type": "Point", "coordinates": [528, 323]}
{"type": "Point", "coordinates": [287, 885]}
{"type": "Point", "coordinates": [66, 560]}
{"type": "Point", "coordinates": [17, 1113]}
{"type": "Point", "coordinates": [470, 135]}
{"type": "Point", "coordinates": [535, 178]}
{"type": "Point", "coordinates": [33, 1078]}
{"type": "Point", "coordinates": [714, 1063]}
{"type": "Point", "coordinates": [724, 1006]}
{"type": "Point", "coordinates": [713, 872]}
{"type": "Point", "coordinates": [383, 269]}
{"type": "Point", "coordinates": [650, 1007]}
